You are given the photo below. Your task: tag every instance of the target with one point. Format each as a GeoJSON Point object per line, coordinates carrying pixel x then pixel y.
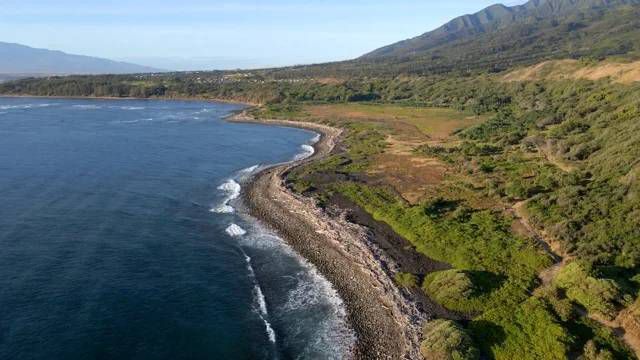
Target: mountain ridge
{"type": "Point", "coordinates": [22, 59]}
{"type": "Point", "coordinates": [491, 18]}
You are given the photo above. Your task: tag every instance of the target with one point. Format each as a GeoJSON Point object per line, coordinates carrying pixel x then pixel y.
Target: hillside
{"type": "Point", "coordinates": [625, 73]}
{"type": "Point", "coordinates": [499, 37]}
{"type": "Point", "coordinates": [19, 59]}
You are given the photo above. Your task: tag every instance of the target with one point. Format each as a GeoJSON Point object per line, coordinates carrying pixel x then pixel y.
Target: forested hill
{"type": "Point", "coordinates": [499, 37]}
{"type": "Point", "coordinates": [493, 18]}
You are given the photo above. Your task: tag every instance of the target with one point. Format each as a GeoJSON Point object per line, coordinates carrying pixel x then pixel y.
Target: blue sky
{"type": "Point", "coordinates": [199, 34]}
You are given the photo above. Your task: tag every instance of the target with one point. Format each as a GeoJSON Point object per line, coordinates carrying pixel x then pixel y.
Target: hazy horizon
{"type": "Point", "coordinates": [201, 35]}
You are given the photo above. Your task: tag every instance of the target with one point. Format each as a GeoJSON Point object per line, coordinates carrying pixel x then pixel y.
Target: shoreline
{"type": "Point", "coordinates": [387, 325]}
{"type": "Point", "coordinates": [167, 98]}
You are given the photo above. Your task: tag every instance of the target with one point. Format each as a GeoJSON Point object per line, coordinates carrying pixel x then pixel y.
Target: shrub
{"type": "Point", "coordinates": [461, 290]}
{"type": "Point", "coordinates": [444, 286]}
{"type": "Point", "coordinates": [406, 280]}
{"type": "Point", "coordinates": [528, 331]}
{"type": "Point", "coordinates": [446, 340]}
{"type": "Point", "coordinates": [591, 352]}
{"type": "Point", "coordinates": [600, 296]}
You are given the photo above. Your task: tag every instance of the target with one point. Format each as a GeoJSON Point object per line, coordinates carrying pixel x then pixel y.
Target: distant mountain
{"type": "Point", "coordinates": [20, 59]}
{"type": "Point", "coordinates": [501, 36]}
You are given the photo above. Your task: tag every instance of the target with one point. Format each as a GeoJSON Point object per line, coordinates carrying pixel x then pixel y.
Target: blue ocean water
{"type": "Point", "coordinates": [121, 238]}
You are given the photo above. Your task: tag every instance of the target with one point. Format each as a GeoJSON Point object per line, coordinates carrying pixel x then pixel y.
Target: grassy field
{"type": "Point", "coordinates": [436, 123]}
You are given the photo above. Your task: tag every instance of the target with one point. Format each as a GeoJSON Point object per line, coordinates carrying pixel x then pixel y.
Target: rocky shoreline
{"type": "Point", "coordinates": [386, 322]}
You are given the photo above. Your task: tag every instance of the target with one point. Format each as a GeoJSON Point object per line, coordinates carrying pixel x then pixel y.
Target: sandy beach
{"type": "Point", "coordinates": [386, 322]}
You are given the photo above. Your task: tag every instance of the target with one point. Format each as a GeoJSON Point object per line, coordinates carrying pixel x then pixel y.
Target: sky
{"type": "Point", "coordinates": [224, 34]}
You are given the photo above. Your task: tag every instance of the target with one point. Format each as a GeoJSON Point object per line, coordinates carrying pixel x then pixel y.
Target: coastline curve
{"type": "Point", "coordinates": [386, 323]}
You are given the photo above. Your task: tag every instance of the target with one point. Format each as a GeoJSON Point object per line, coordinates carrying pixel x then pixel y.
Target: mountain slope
{"type": "Point", "coordinates": [500, 36]}
{"type": "Point", "coordinates": [20, 59]}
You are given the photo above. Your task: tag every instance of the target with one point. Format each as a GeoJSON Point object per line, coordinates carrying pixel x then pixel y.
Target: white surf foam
{"type": "Point", "coordinates": [23, 106]}
{"type": "Point", "coordinates": [261, 302]}
{"type": "Point", "coordinates": [87, 107]}
{"type": "Point", "coordinates": [263, 312]}
{"type": "Point", "coordinates": [315, 139]}
{"type": "Point", "coordinates": [132, 107]}
{"type": "Point", "coordinates": [126, 121]}
{"type": "Point", "coordinates": [235, 230]}
{"type": "Point", "coordinates": [244, 174]}
{"type": "Point", "coordinates": [307, 151]}
{"type": "Point", "coordinates": [315, 292]}
{"type": "Point", "coordinates": [249, 170]}
{"type": "Point", "coordinates": [203, 111]}
{"type": "Point", "coordinates": [232, 189]}
{"type": "Point", "coordinates": [321, 314]}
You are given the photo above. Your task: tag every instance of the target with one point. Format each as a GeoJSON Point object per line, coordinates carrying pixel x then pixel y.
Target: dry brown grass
{"type": "Point", "coordinates": [412, 175]}
{"type": "Point", "coordinates": [436, 123]}
{"type": "Point", "coordinates": [625, 73]}
{"type": "Point", "coordinates": [329, 81]}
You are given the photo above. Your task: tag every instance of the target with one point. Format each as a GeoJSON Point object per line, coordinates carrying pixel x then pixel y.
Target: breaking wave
{"type": "Point", "coordinates": [292, 295]}
{"type": "Point", "coordinates": [261, 301]}
{"type": "Point", "coordinates": [232, 189]}
{"type": "Point", "coordinates": [87, 107]}
{"type": "Point", "coordinates": [23, 106]}
{"type": "Point", "coordinates": [307, 151]}
{"type": "Point", "coordinates": [249, 170]}
{"type": "Point", "coordinates": [308, 311]}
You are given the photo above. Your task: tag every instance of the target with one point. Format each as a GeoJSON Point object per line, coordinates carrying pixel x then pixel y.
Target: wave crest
{"type": "Point", "coordinates": [307, 151]}
{"type": "Point", "coordinates": [232, 189]}
{"type": "Point", "coordinates": [23, 106]}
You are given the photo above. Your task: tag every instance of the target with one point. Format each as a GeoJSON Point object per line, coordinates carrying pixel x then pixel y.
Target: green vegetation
{"type": "Point", "coordinates": [598, 296]}
{"type": "Point", "coordinates": [462, 290]}
{"type": "Point", "coordinates": [498, 37]}
{"type": "Point", "coordinates": [406, 280]}
{"type": "Point", "coordinates": [526, 331]}
{"type": "Point", "coordinates": [499, 271]}
{"type": "Point", "coordinates": [445, 340]}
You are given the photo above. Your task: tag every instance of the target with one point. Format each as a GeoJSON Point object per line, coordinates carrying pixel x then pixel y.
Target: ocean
{"type": "Point", "coordinates": [122, 237]}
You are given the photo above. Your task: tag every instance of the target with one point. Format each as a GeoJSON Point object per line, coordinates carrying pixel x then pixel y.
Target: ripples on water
{"type": "Point", "coordinates": [119, 239]}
